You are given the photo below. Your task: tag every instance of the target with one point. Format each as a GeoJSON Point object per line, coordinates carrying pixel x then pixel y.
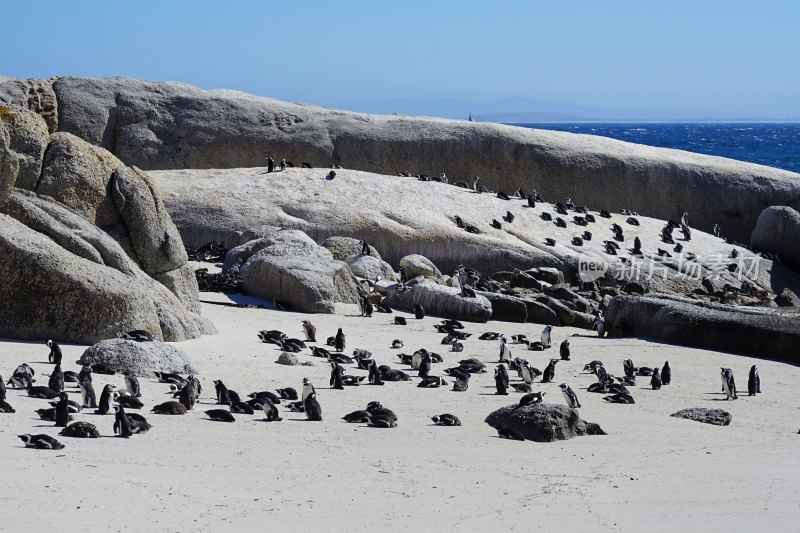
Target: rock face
{"type": "Point", "coordinates": [344, 247]}
{"type": "Point", "coordinates": [63, 278]}
{"type": "Point", "coordinates": [506, 308]}
{"type": "Point", "coordinates": [165, 125]}
{"type": "Point", "coordinates": [369, 267]}
{"type": "Point", "coordinates": [442, 301]}
{"type": "Point", "coordinates": [92, 253]}
{"type": "Point", "coordinates": [543, 422]}
{"type": "Point", "coordinates": [757, 331]}
{"type": "Point", "coordinates": [778, 231]}
{"type": "Point", "coordinates": [140, 358]}
{"type": "Point", "coordinates": [418, 218]}
{"type": "Point", "coordinates": [301, 275]}
{"type": "Point", "coordinates": [717, 417]}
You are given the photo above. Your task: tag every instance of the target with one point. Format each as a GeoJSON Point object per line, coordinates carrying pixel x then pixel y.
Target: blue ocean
{"type": "Point", "coordinates": [774, 145]}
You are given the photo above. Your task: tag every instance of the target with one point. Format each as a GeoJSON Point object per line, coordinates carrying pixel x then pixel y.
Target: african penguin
{"type": "Point", "coordinates": [564, 350]}
{"type": "Point", "coordinates": [339, 342]}
{"type": "Point", "coordinates": [546, 336]}
{"type": "Point", "coordinates": [569, 396]}
{"type": "Point", "coordinates": [62, 410]}
{"type": "Point", "coordinates": [446, 420]}
{"type": "Point", "coordinates": [55, 352]}
{"type": "Point", "coordinates": [310, 330]}
{"type": "Point", "coordinates": [132, 385]}
{"type": "Point", "coordinates": [312, 407]}
{"type": "Point", "coordinates": [549, 372]}
{"type": "Point", "coordinates": [104, 406]}
{"type": "Point", "coordinates": [505, 351]}
{"type": "Point", "coordinates": [501, 379]}
{"type": "Point", "coordinates": [42, 442]}
{"type": "Point", "coordinates": [122, 426]}
{"type": "Point", "coordinates": [753, 382]}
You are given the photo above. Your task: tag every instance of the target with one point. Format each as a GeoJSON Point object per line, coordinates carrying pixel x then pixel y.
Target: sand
{"type": "Point", "coordinates": [651, 472]}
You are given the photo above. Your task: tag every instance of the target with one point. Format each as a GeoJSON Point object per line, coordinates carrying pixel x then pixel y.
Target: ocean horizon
{"type": "Point", "coordinates": [774, 144]}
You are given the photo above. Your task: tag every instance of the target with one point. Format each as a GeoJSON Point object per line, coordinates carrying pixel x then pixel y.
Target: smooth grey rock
{"type": "Point", "coordinates": [238, 256]}
{"type": "Point", "coordinates": [419, 265]}
{"type": "Point", "coordinates": [344, 247]}
{"type": "Point", "coordinates": [300, 274]}
{"type": "Point", "coordinates": [543, 422]}
{"type": "Point", "coordinates": [446, 302]}
{"type": "Point", "coordinates": [140, 358]}
{"type": "Point", "coordinates": [717, 417]}
{"type": "Point", "coordinates": [28, 137]}
{"type": "Point", "coordinates": [778, 230]}
{"type": "Point", "coordinates": [287, 358]}
{"type": "Point", "coordinates": [540, 313]}
{"type": "Point", "coordinates": [168, 125]}
{"type": "Point", "coordinates": [65, 279]}
{"type": "Point", "coordinates": [506, 308]}
{"type": "Point", "coordinates": [757, 331]}
{"type": "Point", "coordinates": [369, 267]}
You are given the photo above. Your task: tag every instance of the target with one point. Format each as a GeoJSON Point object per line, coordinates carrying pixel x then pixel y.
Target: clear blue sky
{"type": "Point", "coordinates": [698, 56]}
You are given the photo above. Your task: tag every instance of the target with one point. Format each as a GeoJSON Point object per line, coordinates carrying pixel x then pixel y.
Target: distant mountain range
{"type": "Point", "coordinates": [525, 110]}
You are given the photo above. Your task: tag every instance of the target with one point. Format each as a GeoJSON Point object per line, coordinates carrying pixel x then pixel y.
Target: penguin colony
{"type": "Point", "coordinates": [511, 373]}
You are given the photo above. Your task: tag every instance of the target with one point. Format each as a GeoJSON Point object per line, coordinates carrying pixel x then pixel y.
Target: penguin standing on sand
{"type": "Point", "coordinates": [564, 350]}
{"type": "Point", "coordinates": [312, 408]}
{"type": "Point", "coordinates": [753, 382]}
{"type": "Point", "coordinates": [546, 336]}
{"type": "Point", "coordinates": [655, 380]}
{"type": "Point", "coordinates": [122, 426]}
{"type": "Point", "coordinates": [339, 343]}
{"type": "Point", "coordinates": [569, 396]}
{"type": "Point", "coordinates": [106, 397]}
{"type": "Point", "coordinates": [85, 374]}
{"type": "Point", "coordinates": [55, 352]}
{"type": "Point", "coordinates": [419, 311]}
{"type": "Point", "coordinates": [505, 351]}
{"type": "Point", "coordinates": [374, 374]}
{"type": "Point", "coordinates": [87, 394]}
{"type": "Point", "coordinates": [549, 372]}
{"type": "Point", "coordinates": [187, 396]}
{"type": "Point", "coordinates": [310, 331]}
{"type": "Point", "coordinates": [501, 379]}
{"type": "Point", "coordinates": [270, 411]}
{"type": "Point", "coordinates": [132, 385]}
{"type": "Point", "coordinates": [666, 374]}
{"type": "Point", "coordinates": [728, 384]}
{"type": "Point", "coordinates": [56, 379]}
{"type": "Point", "coordinates": [425, 365]}
{"type": "Point", "coordinates": [223, 395]}
{"type": "Point", "coordinates": [62, 410]}
{"type": "Point", "coordinates": [337, 372]}
{"type": "Point", "coordinates": [308, 389]}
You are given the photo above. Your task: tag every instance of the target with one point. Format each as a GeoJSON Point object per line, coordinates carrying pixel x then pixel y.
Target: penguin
{"type": "Point", "coordinates": [87, 394]}
{"type": "Point", "coordinates": [271, 411]}
{"type": "Point", "coordinates": [753, 382]}
{"type": "Point", "coordinates": [132, 385]}
{"type": "Point", "coordinates": [81, 430]}
{"type": "Point", "coordinates": [169, 408]}
{"type": "Point", "coordinates": [530, 399]}
{"type": "Point", "coordinates": [522, 387]}
{"type": "Point", "coordinates": [374, 374]}
{"type": "Point", "coordinates": [85, 374]}
{"type": "Point", "coordinates": [505, 351]}
{"type": "Point", "coordinates": [550, 371]}
{"type": "Point", "coordinates": [531, 201]}
{"type": "Point", "coordinates": [569, 396]}
{"type": "Point", "coordinates": [716, 230]}
{"type": "Point", "coordinates": [546, 336]}
{"type": "Point", "coordinates": [187, 396]}
{"type": "Point", "coordinates": [104, 406]}
{"type": "Point", "coordinates": [728, 384]}
{"type": "Point", "coordinates": [655, 381]}
{"type": "Point", "coordinates": [600, 325]}
{"type": "Point", "coordinates": [2, 390]}
{"type": "Point", "coordinates": [431, 382]}
{"type": "Point", "coordinates": [220, 415]}
{"type": "Point", "coordinates": [122, 426]}
{"type": "Point", "coordinates": [416, 359]}
{"type": "Point", "coordinates": [56, 379]}
{"type": "Point", "coordinates": [460, 385]}
{"type": "Point", "coordinates": [419, 311]}
{"type": "Point", "coordinates": [619, 398]}
{"type": "Point", "coordinates": [380, 422]}
{"type": "Point", "coordinates": [629, 368]}
{"type": "Point", "coordinates": [128, 401]}
{"type": "Point", "coordinates": [666, 374]}
{"type": "Point", "coordinates": [564, 350]}
{"type": "Point", "coordinates": [62, 410]}
{"type": "Point", "coordinates": [509, 433]}
{"type": "Point", "coordinates": [198, 388]}
{"type": "Point", "coordinates": [308, 388]}
{"type": "Point", "coordinates": [501, 379]}
{"type": "Point", "coordinates": [425, 366]}
{"type": "Point", "coordinates": [489, 336]}
{"type": "Point", "coordinates": [336, 376]}
{"type": "Point", "coordinates": [55, 352]}
{"type": "Point", "coordinates": [223, 395]}
{"type": "Point", "coordinates": [288, 393]}
{"type": "Point", "coordinates": [310, 330]}
{"type": "Point", "coordinates": [312, 408]}
{"type": "Point", "coordinates": [397, 343]}
{"type": "Point", "coordinates": [41, 442]}
{"type": "Point", "coordinates": [446, 420]}
{"type": "Point", "coordinates": [400, 320]}
{"type": "Point", "coordinates": [339, 343]}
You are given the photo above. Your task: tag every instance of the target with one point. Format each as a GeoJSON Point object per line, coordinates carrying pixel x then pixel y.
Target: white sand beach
{"type": "Point", "coordinates": [651, 472]}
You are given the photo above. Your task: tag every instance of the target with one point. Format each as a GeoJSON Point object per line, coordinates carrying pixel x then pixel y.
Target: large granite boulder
{"type": "Point", "coordinates": [65, 279]}
{"type": "Point", "coordinates": [419, 218]}
{"type": "Point", "coordinates": [27, 140]}
{"type": "Point", "coordinates": [543, 422]}
{"type": "Point", "coordinates": [138, 358]}
{"type": "Point", "coordinates": [778, 231]}
{"type": "Point", "coordinates": [344, 247]}
{"type": "Point", "coordinates": [446, 302]}
{"type": "Point", "coordinates": [716, 417]}
{"type": "Point", "coordinates": [756, 331]}
{"type": "Point", "coordinates": [299, 274]}
{"type": "Point", "coordinates": [419, 265]}
{"type": "Point", "coordinates": [506, 308]}
{"type": "Point", "coordinates": [166, 125]}
{"type": "Point", "coordinates": [370, 267]}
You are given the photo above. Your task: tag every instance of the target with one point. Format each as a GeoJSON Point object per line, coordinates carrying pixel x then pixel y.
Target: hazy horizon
{"type": "Point", "coordinates": [725, 60]}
